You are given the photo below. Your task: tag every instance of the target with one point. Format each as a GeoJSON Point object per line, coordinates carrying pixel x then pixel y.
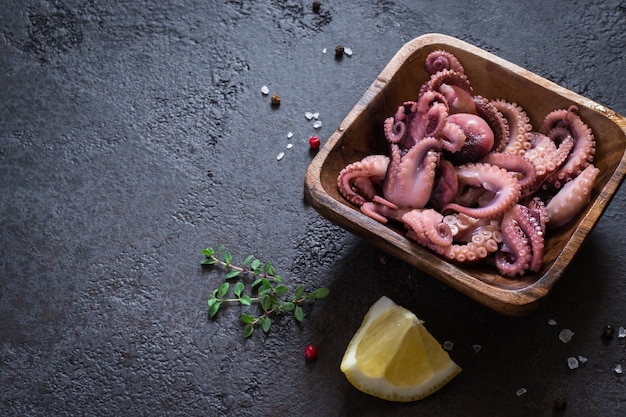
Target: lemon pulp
{"type": "Point", "coordinates": [392, 356]}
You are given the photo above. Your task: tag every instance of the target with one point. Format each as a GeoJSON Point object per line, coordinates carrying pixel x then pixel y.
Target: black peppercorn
{"type": "Point", "coordinates": [608, 331]}
{"type": "Point", "coordinates": [339, 51]}
{"type": "Point", "coordinates": [316, 6]}
{"type": "Point", "coordinates": [275, 100]}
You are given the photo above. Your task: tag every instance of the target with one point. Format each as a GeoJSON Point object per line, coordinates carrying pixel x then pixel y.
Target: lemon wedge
{"type": "Point", "coordinates": [392, 356]}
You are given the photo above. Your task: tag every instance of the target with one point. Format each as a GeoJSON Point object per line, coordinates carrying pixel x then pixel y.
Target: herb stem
{"type": "Point", "coordinates": [267, 284]}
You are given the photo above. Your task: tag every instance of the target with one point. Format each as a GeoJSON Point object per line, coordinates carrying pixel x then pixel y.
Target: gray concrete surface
{"type": "Point", "coordinates": [133, 134]}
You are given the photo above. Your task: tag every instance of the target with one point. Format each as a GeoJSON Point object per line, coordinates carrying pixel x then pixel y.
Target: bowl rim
{"type": "Point", "coordinates": [515, 302]}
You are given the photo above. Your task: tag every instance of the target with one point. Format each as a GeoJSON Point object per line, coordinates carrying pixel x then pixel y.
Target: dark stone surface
{"type": "Point", "coordinates": [133, 134]}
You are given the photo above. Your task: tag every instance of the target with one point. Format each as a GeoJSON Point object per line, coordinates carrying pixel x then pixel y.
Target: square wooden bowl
{"type": "Point", "coordinates": [361, 134]}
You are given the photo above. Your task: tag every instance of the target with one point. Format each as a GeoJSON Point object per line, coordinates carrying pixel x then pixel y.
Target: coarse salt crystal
{"type": "Point", "coordinates": [316, 115]}
{"type": "Point", "coordinates": [621, 333]}
{"type": "Point", "coordinates": [289, 145]}
{"type": "Point", "coordinates": [572, 362]}
{"type": "Point", "coordinates": [618, 369]}
{"type": "Point", "coordinates": [324, 50]}
{"type": "Point", "coordinates": [308, 115]}
{"type": "Point", "coordinates": [566, 335]}
{"type": "Point", "coordinates": [289, 135]}
{"type": "Point", "coordinates": [280, 156]}
{"type": "Point", "coordinates": [347, 51]}
{"type": "Point", "coordinates": [265, 90]}
{"type": "Point", "coordinates": [582, 359]}
{"type": "Point", "coordinates": [521, 392]}
{"type": "Point", "coordinates": [317, 124]}
{"type": "Point", "coordinates": [552, 322]}
{"type": "Point", "coordinates": [448, 345]}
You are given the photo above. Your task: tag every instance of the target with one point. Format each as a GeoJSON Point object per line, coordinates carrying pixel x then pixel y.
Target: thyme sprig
{"type": "Point", "coordinates": [266, 288]}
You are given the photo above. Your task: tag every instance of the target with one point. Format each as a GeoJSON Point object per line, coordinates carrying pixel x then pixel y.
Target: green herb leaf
{"type": "Point", "coordinates": [248, 330]}
{"type": "Point", "coordinates": [299, 292]}
{"type": "Point", "coordinates": [256, 282]}
{"type": "Point", "coordinates": [288, 306]}
{"type": "Point", "coordinates": [208, 252]}
{"type": "Point", "coordinates": [208, 261]}
{"type": "Point", "coordinates": [247, 260]}
{"type": "Point", "coordinates": [321, 293]}
{"type": "Point", "coordinates": [265, 289]}
{"type": "Point", "coordinates": [278, 278]}
{"type": "Point", "coordinates": [223, 290]}
{"type": "Point", "coordinates": [268, 268]}
{"type": "Point", "coordinates": [298, 313]}
{"type": "Point", "coordinates": [245, 300]}
{"type": "Point", "coordinates": [220, 249]}
{"type": "Point", "coordinates": [238, 289]}
{"type": "Point", "coordinates": [266, 303]}
{"type": "Point", "coordinates": [247, 318]}
{"type": "Point", "coordinates": [266, 324]}
{"type": "Point", "coordinates": [214, 308]}
{"type": "Point", "coordinates": [232, 274]}
{"type": "Point", "coordinates": [255, 264]}
{"type": "Point", "coordinates": [228, 257]}
{"type": "Point", "coordinates": [281, 290]}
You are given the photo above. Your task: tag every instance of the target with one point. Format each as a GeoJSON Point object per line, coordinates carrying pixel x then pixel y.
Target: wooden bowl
{"type": "Point", "coordinates": [361, 134]}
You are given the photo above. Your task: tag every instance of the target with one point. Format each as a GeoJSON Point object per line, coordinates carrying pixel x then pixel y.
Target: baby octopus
{"type": "Point", "coordinates": [469, 178]}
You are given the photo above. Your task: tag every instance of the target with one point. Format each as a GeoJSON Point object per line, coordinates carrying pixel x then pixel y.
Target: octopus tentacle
{"type": "Point", "coordinates": [514, 163]}
{"type": "Point", "coordinates": [546, 156]}
{"type": "Point", "coordinates": [454, 86]}
{"type": "Point", "coordinates": [584, 147]}
{"type": "Point", "coordinates": [479, 238]}
{"type": "Point", "coordinates": [519, 127]}
{"type": "Point", "coordinates": [439, 60]}
{"type": "Point", "coordinates": [365, 173]}
{"type": "Point", "coordinates": [410, 177]}
{"type": "Point", "coordinates": [503, 186]}
{"type": "Point", "coordinates": [572, 198]}
{"type": "Point", "coordinates": [496, 121]}
{"type": "Point", "coordinates": [425, 226]}
{"type": "Point", "coordinates": [515, 254]}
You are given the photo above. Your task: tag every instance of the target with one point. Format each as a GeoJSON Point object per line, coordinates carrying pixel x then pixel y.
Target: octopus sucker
{"type": "Point", "coordinates": [467, 176]}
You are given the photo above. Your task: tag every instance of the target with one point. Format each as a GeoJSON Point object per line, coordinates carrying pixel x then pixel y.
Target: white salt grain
{"type": "Point", "coordinates": [448, 345]}
{"type": "Point", "coordinates": [552, 322]}
{"type": "Point", "coordinates": [566, 335]}
{"type": "Point", "coordinates": [280, 156]}
{"type": "Point", "coordinates": [317, 124]}
{"type": "Point", "coordinates": [572, 362]}
{"type": "Point", "coordinates": [521, 392]}
{"type": "Point", "coordinates": [618, 369]}
{"type": "Point", "coordinates": [621, 333]}
{"type": "Point", "coordinates": [582, 359]}
{"type": "Point", "coordinates": [324, 50]}
{"type": "Point", "coordinates": [289, 135]}
{"type": "Point", "coordinates": [316, 115]}
{"type": "Point", "coordinates": [308, 115]}
{"type": "Point", "coordinates": [264, 90]}
{"type": "Point", "coordinates": [289, 145]}
{"type": "Point", "coordinates": [347, 51]}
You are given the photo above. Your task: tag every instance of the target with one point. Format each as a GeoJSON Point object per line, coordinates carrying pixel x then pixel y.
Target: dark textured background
{"type": "Point", "coordinates": [133, 134]}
